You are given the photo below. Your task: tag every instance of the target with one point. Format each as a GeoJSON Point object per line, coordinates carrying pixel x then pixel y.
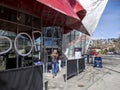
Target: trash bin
{"type": "Point", "coordinates": [98, 62]}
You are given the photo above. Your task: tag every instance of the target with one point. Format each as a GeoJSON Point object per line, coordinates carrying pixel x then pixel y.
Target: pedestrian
{"type": "Point", "coordinates": [59, 62]}
{"type": "Point", "coordinates": [54, 56]}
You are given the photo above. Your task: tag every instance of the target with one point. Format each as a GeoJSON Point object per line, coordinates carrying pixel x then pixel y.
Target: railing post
{"type": "Point", "coordinates": [77, 66]}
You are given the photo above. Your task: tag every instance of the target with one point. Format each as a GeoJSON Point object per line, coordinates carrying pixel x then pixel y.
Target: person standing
{"type": "Point", "coordinates": [54, 56]}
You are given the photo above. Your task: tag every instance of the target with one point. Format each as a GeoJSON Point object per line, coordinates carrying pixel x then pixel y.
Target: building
{"type": "Point", "coordinates": [32, 29]}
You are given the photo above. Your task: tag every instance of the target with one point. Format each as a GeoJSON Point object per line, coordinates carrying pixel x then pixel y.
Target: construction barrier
{"type": "Point", "coordinates": [25, 78]}
{"type": "Point", "coordinates": [71, 68]}
{"type": "Point", "coordinates": [74, 67]}
{"type": "Point", "coordinates": [81, 64]}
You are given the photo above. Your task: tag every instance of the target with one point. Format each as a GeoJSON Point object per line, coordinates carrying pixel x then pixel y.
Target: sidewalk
{"type": "Point", "coordinates": [110, 81]}
{"type": "Point", "coordinates": [90, 79]}
{"type": "Point", "coordinates": [56, 83]}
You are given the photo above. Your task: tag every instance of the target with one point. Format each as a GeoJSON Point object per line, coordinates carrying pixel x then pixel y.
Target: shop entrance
{"type": "Point", "coordinates": [52, 39]}
{"type": "Point", "coordinates": [21, 40]}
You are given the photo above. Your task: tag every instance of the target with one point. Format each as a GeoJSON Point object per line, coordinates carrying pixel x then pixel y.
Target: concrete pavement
{"type": "Point", "coordinates": [106, 78]}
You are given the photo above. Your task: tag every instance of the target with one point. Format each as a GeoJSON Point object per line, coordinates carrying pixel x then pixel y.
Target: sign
{"type": "Point", "coordinates": [20, 52]}
{"type": "Point", "coordinates": [77, 52]}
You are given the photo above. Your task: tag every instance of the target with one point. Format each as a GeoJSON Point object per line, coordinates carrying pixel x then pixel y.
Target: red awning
{"type": "Point", "coordinates": [78, 8]}
{"type": "Point", "coordinates": [51, 12]}
{"type": "Point", "coordinates": [70, 9]}
{"type": "Point", "coordinates": [59, 9]}
{"type": "Point", "coordinates": [60, 6]}
{"type": "Point", "coordinates": [81, 12]}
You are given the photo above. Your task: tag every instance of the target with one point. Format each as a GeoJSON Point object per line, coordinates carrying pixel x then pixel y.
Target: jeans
{"type": "Point", "coordinates": [55, 68]}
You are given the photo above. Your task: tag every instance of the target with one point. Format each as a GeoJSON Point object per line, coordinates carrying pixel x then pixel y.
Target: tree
{"type": "Point", "coordinates": [112, 49]}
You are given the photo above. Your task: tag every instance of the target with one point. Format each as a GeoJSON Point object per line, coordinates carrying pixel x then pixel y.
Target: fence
{"type": "Point", "coordinates": [71, 68]}
{"type": "Point", "coordinates": [74, 67]}
{"type": "Point", "coordinates": [25, 78]}
{"type": "Point", "coordinates": [81, 64]}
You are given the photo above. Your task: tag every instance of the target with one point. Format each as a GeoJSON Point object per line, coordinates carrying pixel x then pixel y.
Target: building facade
{"type": "Point", "coordinates": [32, 29]}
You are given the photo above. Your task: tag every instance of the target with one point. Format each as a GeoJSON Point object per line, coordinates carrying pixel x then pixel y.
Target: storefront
{"type": "Point", "coordinates": [26, 34]}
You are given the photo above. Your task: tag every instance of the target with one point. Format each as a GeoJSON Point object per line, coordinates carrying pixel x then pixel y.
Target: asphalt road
{"type": "Point", "coordinates": [111, 60]}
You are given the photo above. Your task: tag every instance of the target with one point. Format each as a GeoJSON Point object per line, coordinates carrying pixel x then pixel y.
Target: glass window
{"type": "Point", "coordinates": [4, 44]}
{"type": "Point", "coordinates": [7, 26]}
{"type": "Point", "coordinates": [48, 42]}
{"type": "Point", "coordinates": [36, 22]}
{"type": "Point", "coordinates": [57, 32]}
{"type": "Point", "coordinates": [8, 14]}
{"type": "Point", "coordinates": [24, 45]}
{"type": "Point", "coordinates": [13, 22]}
{"type": "Point", "coordinates": [28, 20]}
{"type": "Point", "coordinates": [49, 51]}
{"type": "Point", "coordinates": [24, 29]}
{"type": "Point", "coordinates": [47, 32]}
{"type": "Point", "coordinates": [21, 18]}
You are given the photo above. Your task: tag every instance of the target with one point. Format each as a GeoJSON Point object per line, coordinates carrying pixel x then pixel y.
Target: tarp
{"type": "Point", "coordinates": [94, 10]}
{"type": "Point", "coordinates": [27, 78]}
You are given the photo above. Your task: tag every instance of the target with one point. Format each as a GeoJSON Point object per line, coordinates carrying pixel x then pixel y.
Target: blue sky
{"type": "Point", "coordinates": [109, 24]}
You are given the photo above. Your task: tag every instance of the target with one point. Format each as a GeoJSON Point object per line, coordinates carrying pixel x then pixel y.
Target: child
{"type": "Point", "coordinates": [59, 61]}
